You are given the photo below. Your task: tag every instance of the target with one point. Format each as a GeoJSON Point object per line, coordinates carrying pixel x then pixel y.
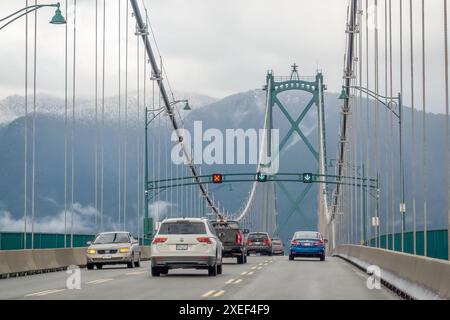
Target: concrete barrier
{"type": "Point", "coordinates": [20, 262]}
{"type": "Point", "coordinates": [417, 277]}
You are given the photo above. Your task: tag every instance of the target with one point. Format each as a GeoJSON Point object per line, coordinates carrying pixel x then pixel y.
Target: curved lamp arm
{"type": "Point", "coordinates": [28, 10]}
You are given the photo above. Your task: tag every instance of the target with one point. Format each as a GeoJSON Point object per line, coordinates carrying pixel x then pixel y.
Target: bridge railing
{"type": "Point", "coordinates": [437, 244]}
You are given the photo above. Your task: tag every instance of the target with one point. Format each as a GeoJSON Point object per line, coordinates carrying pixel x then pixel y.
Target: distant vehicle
{"type": "Point", "coordinates": [259, 242]}
{"type": "Point", "coordinates": [186, 243]}
{"type": "Point", "coordinates": [277, 246]}
{"type": "Point", "coordinates": [307, 244]}
{"type": "Point", "coordinates": [232, 237]}
{"type": "Point", "coordinates": [111, 248]}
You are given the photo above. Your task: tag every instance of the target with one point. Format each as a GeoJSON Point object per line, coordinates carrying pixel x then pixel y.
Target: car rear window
{"type": "Point", "coordinates": [225, 225]}
{"type": "Point", "coordinates": [257, 236]}
{"type": "Point", "coordinates": [307, 235]}
{"type": "Point", "coordinates": [182, 227]}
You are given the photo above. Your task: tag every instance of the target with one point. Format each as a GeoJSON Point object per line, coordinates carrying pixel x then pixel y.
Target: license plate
{"type": "Point", "coordinates": [257, 243]}
{"type": "Point", "coordinates": [307, 244]}
{"type": "Point", "coordinates": [107, 256]}
{"type": "Point", "coordinates": [182, 246]}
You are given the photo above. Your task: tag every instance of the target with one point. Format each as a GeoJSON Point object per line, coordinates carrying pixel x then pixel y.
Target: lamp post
{"type": "Point", "coordinates": [58, 18]}
{"type": "Point", "coordinates": [148, 120]}
{"type": "Point", "coordinates": [391, 106]}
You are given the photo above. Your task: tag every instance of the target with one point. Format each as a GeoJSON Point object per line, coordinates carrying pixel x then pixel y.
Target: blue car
{"type": "Point", "coordinates": [308, 244]}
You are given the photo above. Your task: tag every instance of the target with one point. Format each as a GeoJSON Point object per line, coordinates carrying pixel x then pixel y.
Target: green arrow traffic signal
{"type": "Point", "coordinates": [261, 177]}
{"type": "Point", "coordinates": [307, 177]}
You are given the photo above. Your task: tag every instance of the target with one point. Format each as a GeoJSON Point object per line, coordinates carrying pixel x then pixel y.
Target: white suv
{"type": "Point", "coordinates": [186, 243]}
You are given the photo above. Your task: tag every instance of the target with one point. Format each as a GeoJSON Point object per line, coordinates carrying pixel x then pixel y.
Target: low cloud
{"type": "Point", "coordinates": [83, 221]}
{"type": "Point", "coordinates": [160, 209]}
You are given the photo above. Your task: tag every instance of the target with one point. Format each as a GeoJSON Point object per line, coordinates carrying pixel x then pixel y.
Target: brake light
{"type": "Point", "coordinates": [239, 237]}
{"type": "Point", "coordinates": [249, 242]}
{"type": "Point", "coordinates": [266, 242]}
{"type": "Point", "coordinates": [319, 243]}
{"type": "Point", "coordinates": [295, 242]}
{"type": "Point", "coordinates": [204, 240]}
{"type": "Point", "coordinates": [159, 240]}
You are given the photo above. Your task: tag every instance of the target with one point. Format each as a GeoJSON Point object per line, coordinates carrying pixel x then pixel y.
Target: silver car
{"type": "Point", "coordinates": [111, 248]}
{"type": "Point", "coordinates": [277, 246]}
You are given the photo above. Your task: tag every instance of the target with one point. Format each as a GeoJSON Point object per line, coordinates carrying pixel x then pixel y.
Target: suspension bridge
{"type": "Point", "coordinates": [377, 199]}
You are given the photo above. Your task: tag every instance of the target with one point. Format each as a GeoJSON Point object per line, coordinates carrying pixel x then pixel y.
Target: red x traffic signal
{"type": "Point", "coordinates": [217, 178]}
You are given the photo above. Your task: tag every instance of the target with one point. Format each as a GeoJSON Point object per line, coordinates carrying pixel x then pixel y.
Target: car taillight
{"type": "Point", "coordinates": [249, 242]}
{"type": "Point", "coordinates": [266, 242]}
{"type": "Point", "coordinates": [239, 237]}
{"type": "Point", "coordinates": [204, 240]}
{"type": "Point", "coordinates": [319, 243]}
{"type": "Point", "coordinates": [159, 240]}
{"type": "Point", "coordinates": [295, 242]}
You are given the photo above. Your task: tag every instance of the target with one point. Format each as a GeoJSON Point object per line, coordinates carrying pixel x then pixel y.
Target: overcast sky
{"type": "Point", "coordinates": [212, 47]}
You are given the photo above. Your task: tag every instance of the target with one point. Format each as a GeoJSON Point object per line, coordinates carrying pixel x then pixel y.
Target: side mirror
{"type": "Point", "coordinates": [89, 243]}
{"type": "Point", "coordinates": [326, 240]}
{"type": "Point", "coordinates": [245, 231]}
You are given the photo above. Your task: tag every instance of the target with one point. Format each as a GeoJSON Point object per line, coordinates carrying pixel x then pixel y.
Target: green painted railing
{"type": "Point", "coordinates": [437, 243]}
{"type": "Point", "coordinates": [15, 240]}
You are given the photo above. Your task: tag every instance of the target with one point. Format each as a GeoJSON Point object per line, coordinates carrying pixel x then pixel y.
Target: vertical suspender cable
{"type": "Point", "coordinates": [391, 153]}
{"type": "Point", "coordinates": [376, 129]}
{"type": "Point", "coordinates": [102, 151]}
{"type": "Point", "coordinates": [368, 207]}
{"type": "Point", "coordinates": [447, 127]}
{"type": "Point", "coordinates": [424, 135]}
{"type": "Point", "coordinates": [401, 91]}
{"type": "Point", "coordinates": [385, 151]}
{"type": "Point", "coordinates": [138, 136]}
{"type": "Point", "coordinates": [413, 130]}
{"type": "Point", "coordinates": [66, 62]}
{"type": "Point", "coordinates": [73, 120]}
{"type": "Point", "coordinates": [125, 143]}
{"type": "Point", "coordinates": [25, 193]}
{"type": "Point", "coordinates": [119, 169]}
{"type": "Point", "coordinates": [96, 120]}
{"type": "Point", "coordinates": [33, 170]}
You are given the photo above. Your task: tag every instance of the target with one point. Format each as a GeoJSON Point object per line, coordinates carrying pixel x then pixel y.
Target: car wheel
{"type": "Point", "coordinates": [240, 259]}
{"type": "Point", "coordinates": [212, 270]}
{"type": "Point", "coordinates": [270, 253]}
{"type": "Point", "coordinates": [99, 266]}
{"type": "Point", "coordinates": [245, 258]}
{"type": "Point", "coordinates": [322, 258]}
{"type": "Point", "coordinates": [291, 257]}
{"type": "Point", "coordinates": [156, 272]}
{"type": "Point", "coordinates": [90, 266]}
{"type": "Point", "coordinates": [164, 271]}
{"type": "Point", "coordinates": [130, 264]}
{"type": "Point", "coordinates": [219, 269]}
{"type": "Point", "coordinates": [137, 264]}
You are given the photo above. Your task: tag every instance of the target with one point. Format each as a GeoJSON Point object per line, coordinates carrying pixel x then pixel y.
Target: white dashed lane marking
{"type": "Point", "coordinates": [44, 293]}
{"type": "Point", "coordinates": [219, 293]}
{"type": "Point", "coordinates": [99, 281]}
{"type": "Point", "coordinates": [207, 294]}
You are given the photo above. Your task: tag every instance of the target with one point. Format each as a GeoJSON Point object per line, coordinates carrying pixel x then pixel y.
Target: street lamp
{"type": "Point", "coordinates": [148, 120]}
{"type": "Point", "coordinates": [391, 106]}
{"type": "Point", "coordinates": [58, 18]}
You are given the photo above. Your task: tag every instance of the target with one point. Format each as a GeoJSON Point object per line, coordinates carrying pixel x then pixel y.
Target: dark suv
{"type": "Point", "coordinates": [232, 237]}
{"type": "Point", "coordinates": [259, 242]}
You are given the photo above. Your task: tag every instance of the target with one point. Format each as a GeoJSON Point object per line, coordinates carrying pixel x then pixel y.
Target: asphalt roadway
{"type": "Point", "coordinates": [265, 278]}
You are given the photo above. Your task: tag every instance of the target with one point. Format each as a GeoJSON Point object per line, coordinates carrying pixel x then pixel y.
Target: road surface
{"type": "Point", "coordinates": [261, 278]}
